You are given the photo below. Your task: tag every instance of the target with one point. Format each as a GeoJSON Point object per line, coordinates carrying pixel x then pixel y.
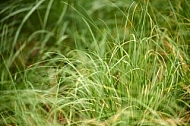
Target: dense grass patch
{"type": "Point", "coordinates": [94, 62]}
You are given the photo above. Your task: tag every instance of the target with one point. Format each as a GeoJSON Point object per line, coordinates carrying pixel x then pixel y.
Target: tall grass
{"type": "Point", "coordinates": [95, 63]}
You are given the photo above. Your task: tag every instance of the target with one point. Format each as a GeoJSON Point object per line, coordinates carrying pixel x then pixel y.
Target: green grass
{"type": "Point", "coordinates": [94, 62]}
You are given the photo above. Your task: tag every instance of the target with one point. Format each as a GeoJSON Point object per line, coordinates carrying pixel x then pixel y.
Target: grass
{"type": "Point", "coordinates": [96, 63]}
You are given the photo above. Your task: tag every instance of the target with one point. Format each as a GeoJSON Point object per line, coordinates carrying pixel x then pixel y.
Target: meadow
{"type": "Point", "coordinates": [95, 63]}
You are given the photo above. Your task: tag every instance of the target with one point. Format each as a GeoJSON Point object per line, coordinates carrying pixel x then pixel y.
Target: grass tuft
{"type": "Point", "coordinates": [96, 63]}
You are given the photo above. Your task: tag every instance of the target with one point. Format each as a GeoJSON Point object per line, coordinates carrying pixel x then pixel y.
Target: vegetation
{"type": "Point", "coordinates": [94, 62]}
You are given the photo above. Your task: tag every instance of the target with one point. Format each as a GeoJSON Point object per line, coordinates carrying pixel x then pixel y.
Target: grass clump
{"type": "Point", "coordinates": [95, 63]}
